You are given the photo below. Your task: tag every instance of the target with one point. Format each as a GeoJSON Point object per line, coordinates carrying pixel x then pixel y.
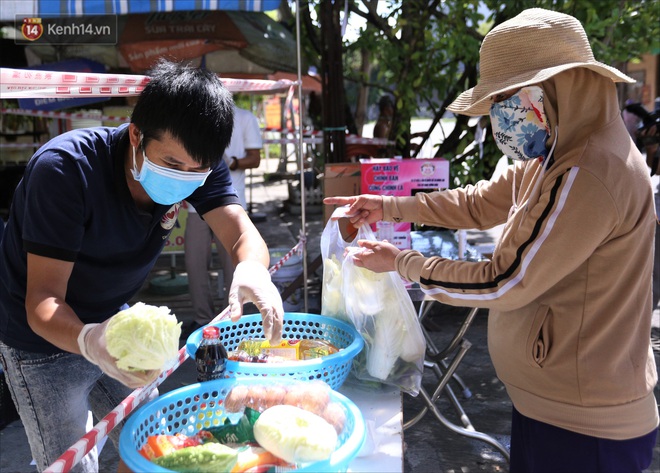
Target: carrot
{"type": "Point", "coordinates": [160, 445]}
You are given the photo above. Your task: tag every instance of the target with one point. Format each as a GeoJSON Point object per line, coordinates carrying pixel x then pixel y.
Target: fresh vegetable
{"type": "Point", "coordinates": [251, 457]}
{"type": "Point", "coordinates": [143, 337]}
{"type": "Point", "coordinates": [381, 310]}
{"type": "Point", "coordinates": [295, 435]}
{"type": "Point", "coordinates": [333, 300]}
{"type": "Point", "coordinates": [413, 348]}
{"type": "Point", "coordinates": [202, 437]}
{"type": "Point", "coordinates": [161, 445]}
{"type": "Point", "coordinates": [366, 287]}
{"type": "Point", "coordinates": [207, 458]}
{"type": "Point", "coordinates": [386, 347]}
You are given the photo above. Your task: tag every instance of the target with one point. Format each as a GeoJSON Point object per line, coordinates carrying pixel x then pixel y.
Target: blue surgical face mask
{"type": "Point", "coordinates": [164, 185]}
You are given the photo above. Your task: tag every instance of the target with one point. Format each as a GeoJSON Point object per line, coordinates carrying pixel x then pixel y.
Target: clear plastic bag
{"type": "Point", "coordinates": [333, 246]}
{"type": "Point", "coordinates": [379, 307]}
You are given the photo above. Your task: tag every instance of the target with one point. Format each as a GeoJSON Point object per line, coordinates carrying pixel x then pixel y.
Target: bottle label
{"type": "Point", "coordinates": [210, 361]}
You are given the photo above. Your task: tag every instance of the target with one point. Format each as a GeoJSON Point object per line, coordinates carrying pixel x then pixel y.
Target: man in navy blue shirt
{"type": "Point", "coordinates": [88, 221]}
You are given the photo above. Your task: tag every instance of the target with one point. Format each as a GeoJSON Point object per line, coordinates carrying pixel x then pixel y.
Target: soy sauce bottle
{"type": "Point", "coordinates": [210, 356]}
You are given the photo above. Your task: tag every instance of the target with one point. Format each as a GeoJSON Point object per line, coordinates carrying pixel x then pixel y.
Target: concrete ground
{"type": "Point", "coordinates": [428, 445]}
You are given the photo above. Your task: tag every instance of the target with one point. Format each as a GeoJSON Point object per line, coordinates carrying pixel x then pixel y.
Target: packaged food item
{"type": "Point", "coordinates": [258, 350]}
{"type": "Point", "coordinates": [315, 348]}
{"type": "Point", "coordinates": [335, 415]}
{"type": "Point", "coordinates": [239, 433]}
{"type": "Point", "coordinates": [286, 349]}
{"type": "Point", "coordinates": [312, 396]}
{"type": "Point", "coordinates": [243, 356]}
{"type": "Point", "coordinates": [210, 356]}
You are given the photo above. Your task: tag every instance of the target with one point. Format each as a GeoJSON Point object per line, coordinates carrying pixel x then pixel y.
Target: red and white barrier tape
{"type": "Point", "coordinates": [78, 450]}
{"type": "Point", "coordinates": [297, 248]}
{"type": "Point", "coordinates": [82, 447]}
{"type": "Point", "coordinates": [26, 83]}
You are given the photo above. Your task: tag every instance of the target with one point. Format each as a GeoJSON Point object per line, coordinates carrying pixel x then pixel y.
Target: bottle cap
{"type": "Point", "coordinates": [211, 332]}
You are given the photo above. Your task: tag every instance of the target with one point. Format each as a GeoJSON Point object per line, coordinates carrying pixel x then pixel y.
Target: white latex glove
{"type": "Point", "coordinates": [252, 283]}
{"type": "Point", "coordinates": [91, 342]}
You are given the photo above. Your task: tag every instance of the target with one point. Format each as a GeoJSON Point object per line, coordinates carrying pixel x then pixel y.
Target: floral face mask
{"type": "Point", "coordinates": [520, 126]}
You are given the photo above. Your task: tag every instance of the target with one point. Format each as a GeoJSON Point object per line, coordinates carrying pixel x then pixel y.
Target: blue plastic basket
{"type": "Point", "coordinates": [199, 406]}
{"type": "Point", "coordinates": [333, 369]}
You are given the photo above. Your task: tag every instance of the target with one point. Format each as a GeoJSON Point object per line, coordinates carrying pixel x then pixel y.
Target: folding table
{"type": "Point", "coordinates": [444, 362]}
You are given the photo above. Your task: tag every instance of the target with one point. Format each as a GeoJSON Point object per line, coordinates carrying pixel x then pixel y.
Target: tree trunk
{"type": "Point", "coordinates": [334, 100]}
{"type": "Point", "coordinates": [363, 93]}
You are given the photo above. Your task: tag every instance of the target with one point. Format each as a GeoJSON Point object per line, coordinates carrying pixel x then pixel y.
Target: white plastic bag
{"type": "Point", "coordinates": [332, 251]}
{"type": "Point", "coordinates": [379, 307]}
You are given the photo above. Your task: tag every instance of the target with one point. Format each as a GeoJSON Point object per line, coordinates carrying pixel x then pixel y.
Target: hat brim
{"type": "Point", "coordinates": [476, 101]}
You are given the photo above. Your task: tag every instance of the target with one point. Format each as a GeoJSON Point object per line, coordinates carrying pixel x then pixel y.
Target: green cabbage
{"type": "Point", "coordinates": [365, 292]}
{"type": "Point", "coordinates": [388, 342]}
{"type": "Point", "coordinates": [143, 337]}
{"type": "Point", "coordinates": [333, 299]}
{"type": "Point", "coordinates": [295, 435]}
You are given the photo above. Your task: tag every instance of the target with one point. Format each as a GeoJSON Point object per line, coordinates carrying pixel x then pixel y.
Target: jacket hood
{"type": "Point", "coordinates": [581, 102]}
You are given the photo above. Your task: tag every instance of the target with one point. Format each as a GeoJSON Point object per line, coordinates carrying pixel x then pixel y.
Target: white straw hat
{"type": "Point", "coordinates": [527, 49]}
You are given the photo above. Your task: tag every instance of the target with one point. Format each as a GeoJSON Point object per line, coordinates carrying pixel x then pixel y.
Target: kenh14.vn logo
{"type": "Point", "coordinates": [32, 28]}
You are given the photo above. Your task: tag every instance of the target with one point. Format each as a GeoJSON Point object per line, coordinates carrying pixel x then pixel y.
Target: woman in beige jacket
{"type": "Point", "coordinates": [569, 283]}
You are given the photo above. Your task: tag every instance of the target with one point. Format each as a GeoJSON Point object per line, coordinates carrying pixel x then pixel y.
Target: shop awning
{"type": "Point", "coordinates": [36, 8]}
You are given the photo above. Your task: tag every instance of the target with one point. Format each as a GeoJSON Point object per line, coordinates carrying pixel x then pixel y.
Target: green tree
{"type": "Point", "coordinates": [426, 52]}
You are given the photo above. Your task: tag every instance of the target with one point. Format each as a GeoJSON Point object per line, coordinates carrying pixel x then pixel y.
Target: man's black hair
{"type": "Point", "coordinates": [189, 103]}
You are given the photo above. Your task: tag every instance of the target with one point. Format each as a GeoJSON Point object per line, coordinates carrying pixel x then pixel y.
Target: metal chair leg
{"type": "Point", "coordinates": [461, 430]}
{"type": "Point", "coordinates": [445, 371]}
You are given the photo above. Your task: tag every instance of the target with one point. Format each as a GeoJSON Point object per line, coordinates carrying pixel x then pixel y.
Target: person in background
{"type": "Point", "coordinates": [650, 137]}
{"type": "Point", "coordinates": [631, 120]}
{"type": "Point", "coordinates": [569, 282]}
{"type": "Point", "coordinates": [385, 115]}
{"type": "Point", "coordinates": [243, 152]}
{"type": "Point", "coordinates": [88, 221]}
{"type": "Point", "coordinates": [647, 136]}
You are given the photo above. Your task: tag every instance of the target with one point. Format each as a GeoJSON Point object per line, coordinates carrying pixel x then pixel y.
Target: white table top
{"type": "Point", "coordinates": [382, 410]}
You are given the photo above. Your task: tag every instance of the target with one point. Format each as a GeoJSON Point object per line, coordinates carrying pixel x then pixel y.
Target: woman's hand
{"type": "Point", "coordinates": [378, 256]}
{"type": "Point", "coordinates": [363, 208]}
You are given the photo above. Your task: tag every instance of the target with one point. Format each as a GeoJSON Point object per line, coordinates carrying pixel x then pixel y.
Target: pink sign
{"type": "Point", "coordinates": [402, 177]}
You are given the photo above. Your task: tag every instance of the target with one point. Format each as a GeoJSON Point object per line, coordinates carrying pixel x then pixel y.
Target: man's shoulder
{"type": "Point", "coordinates": [243, 116]}
{"type": "Point", "coordinates": [81, 149]}
{"type": "Point", "coordinates": [85, 140]}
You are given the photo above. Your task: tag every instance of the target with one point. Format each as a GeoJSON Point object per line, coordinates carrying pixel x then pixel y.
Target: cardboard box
{"type": "Point", "coordinates": [340, 179]}
{"type": "Point", "coordinates": [402, 177]}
